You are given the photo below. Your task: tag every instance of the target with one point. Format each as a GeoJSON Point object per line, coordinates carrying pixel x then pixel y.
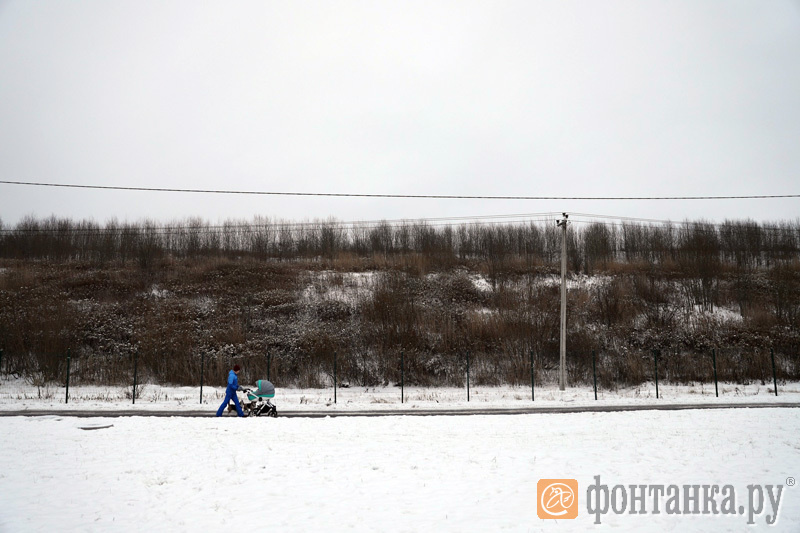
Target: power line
{"type": "Point", "coordinates": [246, 227]}
{"type": "Point", "coordinates": [244, 230]}
{"type": "Point", "coordinates": [192, 227]}
{"type": "Point", "coordinates": [694, 225]}
{"type": "Point", "coordinates": [396, 196]}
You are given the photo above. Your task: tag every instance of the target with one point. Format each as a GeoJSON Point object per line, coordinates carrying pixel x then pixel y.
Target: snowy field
{"type": "Point", "coordinates": [393, 473]}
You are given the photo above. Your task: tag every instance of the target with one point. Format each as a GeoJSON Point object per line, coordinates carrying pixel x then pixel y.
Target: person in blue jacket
{"type": "Point", "coordinates": [230, 392]}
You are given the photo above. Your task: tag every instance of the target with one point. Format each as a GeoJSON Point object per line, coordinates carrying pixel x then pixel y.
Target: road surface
{"type": "Point", "coordinates": [87, 413]}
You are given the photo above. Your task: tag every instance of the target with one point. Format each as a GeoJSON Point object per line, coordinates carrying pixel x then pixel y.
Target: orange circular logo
{"type": "Point", "coordinates": [558, 498]}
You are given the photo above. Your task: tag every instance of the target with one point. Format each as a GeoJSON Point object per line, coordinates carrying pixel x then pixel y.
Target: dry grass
{"type": "Point", "coordinates": [179, 318]}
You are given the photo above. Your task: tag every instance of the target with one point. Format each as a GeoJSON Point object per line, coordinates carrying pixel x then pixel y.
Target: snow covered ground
{"type": "Point", "coordinates": [16, 394]}
{"type": "Point", "coordinates": [393, 473]}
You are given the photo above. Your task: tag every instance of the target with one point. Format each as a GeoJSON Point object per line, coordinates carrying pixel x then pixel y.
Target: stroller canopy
{"type": "Point", "coordinates": [265, 389]}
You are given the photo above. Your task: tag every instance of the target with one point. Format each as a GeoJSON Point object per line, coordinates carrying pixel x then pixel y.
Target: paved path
{"type": "Point", "coordinates": [83, 413]}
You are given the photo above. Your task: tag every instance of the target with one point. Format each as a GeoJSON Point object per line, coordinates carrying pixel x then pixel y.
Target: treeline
{"type": "Point", "coordinates": [590, 245]}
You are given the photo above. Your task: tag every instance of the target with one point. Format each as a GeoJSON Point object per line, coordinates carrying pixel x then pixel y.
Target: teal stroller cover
{"type": "Point", "coordinates": [264, 389]}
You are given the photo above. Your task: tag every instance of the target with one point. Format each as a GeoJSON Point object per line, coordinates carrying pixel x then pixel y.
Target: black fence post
{"type": "Point", "coordinates": [402, 376]}
{"type": "Point", "coordinates": [66, 397]}
{"type": "Point", "coordinates": [714, 359]}
{"type": "Point", "coordinates": [467, 375]}
{"type": "Point", "coordinates": [135, 374]}
{"type": "Point", "coordinates": [202, 372]}
{"type": "Point", "coordinates": [774, 377]}
{"type": "Point", "coordinates": [594, 374]}
{"type": "Point", "coordinates": [334, 376]}
{"type": "Point", "coordinates": [533, 396]}
{"type": "Point", "coordinates": [655, 356]}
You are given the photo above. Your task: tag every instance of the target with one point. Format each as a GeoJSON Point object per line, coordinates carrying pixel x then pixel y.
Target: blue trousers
{"type": "Point", "coordinates": [230, 395]}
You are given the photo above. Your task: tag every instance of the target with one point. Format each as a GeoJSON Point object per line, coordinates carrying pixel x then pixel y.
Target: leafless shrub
{"type": "Point", "coordinates": [191, 297]}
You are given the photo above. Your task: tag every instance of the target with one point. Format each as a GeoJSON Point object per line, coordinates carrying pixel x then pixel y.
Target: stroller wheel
{"type": "Point", "coordinates": [274, 412]}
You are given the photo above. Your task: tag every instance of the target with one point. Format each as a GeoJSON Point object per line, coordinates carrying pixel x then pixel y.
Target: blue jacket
{"type": "Point", "coordinates": [233, 383]}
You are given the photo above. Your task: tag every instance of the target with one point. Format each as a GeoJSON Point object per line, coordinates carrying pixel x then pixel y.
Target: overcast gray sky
{"type": "Point", "coordinates": [558, 98]}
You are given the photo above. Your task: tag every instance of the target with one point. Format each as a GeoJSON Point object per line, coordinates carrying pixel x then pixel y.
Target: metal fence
{"type": "Point", "coordinates": [598, 371]}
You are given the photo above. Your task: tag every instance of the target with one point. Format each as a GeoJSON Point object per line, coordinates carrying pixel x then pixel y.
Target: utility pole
{"type": "Point", "coordinates": [562, 373]}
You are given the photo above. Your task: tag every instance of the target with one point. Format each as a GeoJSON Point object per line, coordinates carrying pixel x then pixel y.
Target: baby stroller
{"type": "Point", "coordinates": [257, 401]}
